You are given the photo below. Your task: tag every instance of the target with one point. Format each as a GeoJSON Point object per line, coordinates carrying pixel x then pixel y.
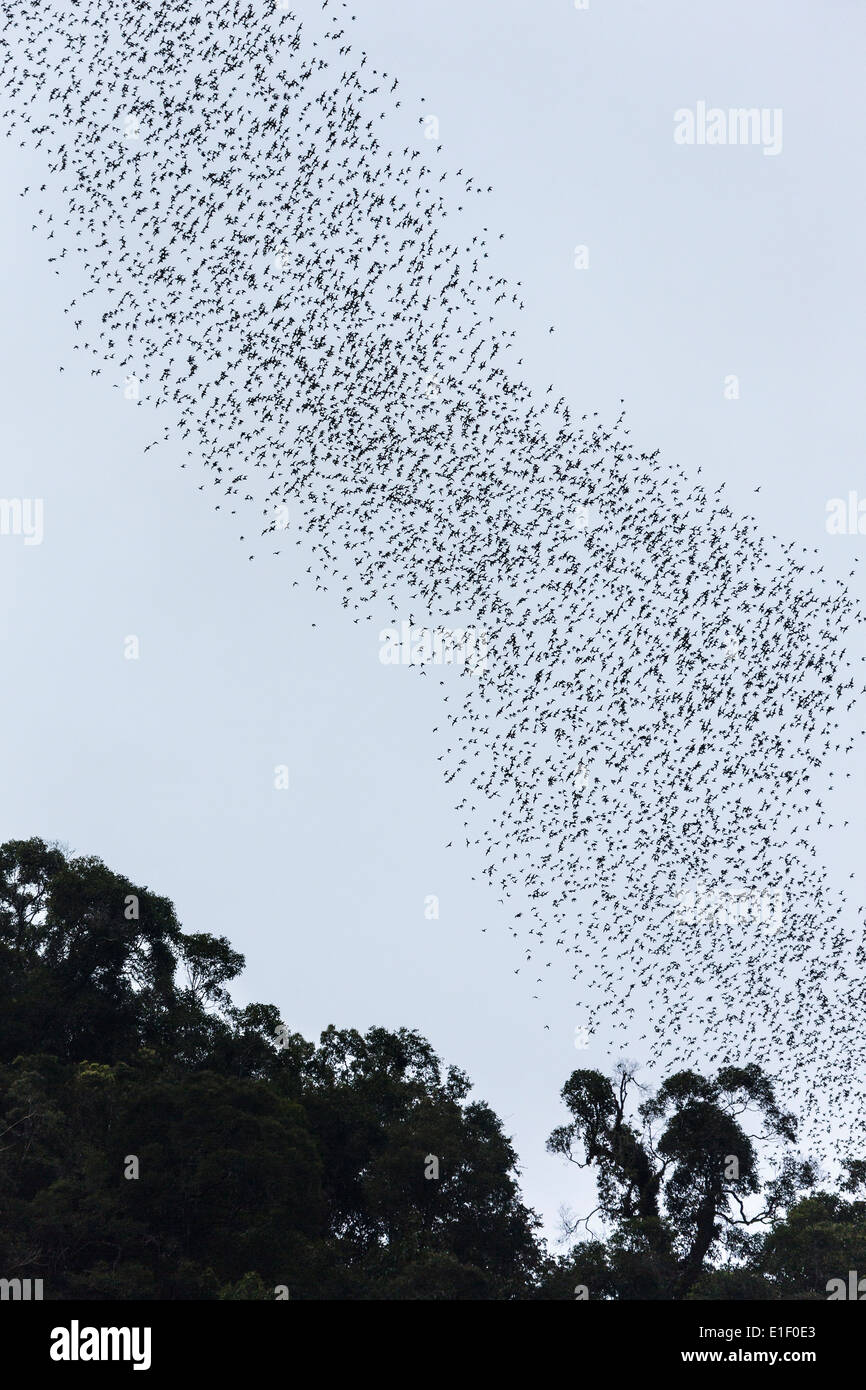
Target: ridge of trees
{"type": "Point", "coordinates": [157, 1141]}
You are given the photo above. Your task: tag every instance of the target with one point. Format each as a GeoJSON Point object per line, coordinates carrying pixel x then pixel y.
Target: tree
{"type": "Point", "coordinates": [158, 1141]}
{"type": "Point", "coordinates": [820, 1237]}
{"type": "Point", "coordinates": [421, 1183]}
{"type": "Point", "coordinates": [357, 1168]}
{"type": "Point", "coordinates": [672, 1196]}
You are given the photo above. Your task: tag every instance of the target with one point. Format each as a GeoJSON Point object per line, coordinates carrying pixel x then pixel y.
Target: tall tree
{"type": "Point", "coordinates": [681, 1172]}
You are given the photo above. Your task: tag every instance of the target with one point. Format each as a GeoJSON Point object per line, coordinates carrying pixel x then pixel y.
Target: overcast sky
{"type": "Point", "coordinates": [704, 262]}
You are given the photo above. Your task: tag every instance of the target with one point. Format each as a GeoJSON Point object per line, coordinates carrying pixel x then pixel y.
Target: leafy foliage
{"type": "Point", "coordinates": [259, 1165]}
{"type": "Point", "coordinates": [157, 1141]}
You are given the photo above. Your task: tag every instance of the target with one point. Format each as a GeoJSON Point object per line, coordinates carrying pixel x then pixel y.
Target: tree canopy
{"type": "Point", "coordinates": [157, 1141]}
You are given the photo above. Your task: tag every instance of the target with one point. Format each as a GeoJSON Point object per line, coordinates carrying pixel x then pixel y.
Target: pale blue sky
{"type": "Point", "coordinates": [703, 262]}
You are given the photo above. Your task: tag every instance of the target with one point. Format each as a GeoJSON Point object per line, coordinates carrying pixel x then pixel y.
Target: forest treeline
{"type": "Point", "coordinates": [159, 1142]}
